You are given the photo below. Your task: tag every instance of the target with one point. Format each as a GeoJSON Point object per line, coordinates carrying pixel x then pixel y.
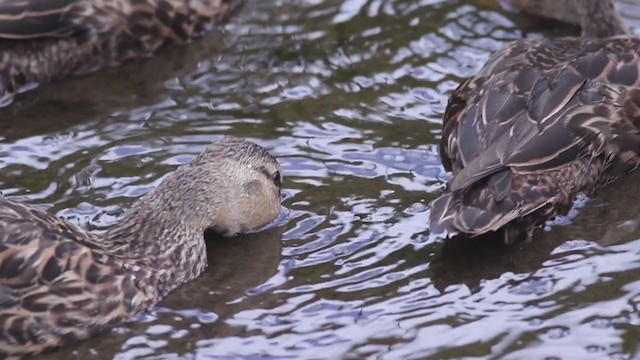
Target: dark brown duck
{"type": "Point", "coordinates": [44, 40]}
{"type": "Point", "coordinates": [543, 121]}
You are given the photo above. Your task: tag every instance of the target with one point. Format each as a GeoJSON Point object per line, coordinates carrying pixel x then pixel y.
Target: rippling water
{"type": "Point", "coordinates": [349, 96]}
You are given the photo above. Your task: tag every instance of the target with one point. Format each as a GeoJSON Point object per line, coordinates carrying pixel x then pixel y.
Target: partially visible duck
{"type": "Point", "coordinates": [60, 283]}
{"type": "Point", "coordinates": [543, 121]}
{"type": "Point", "coordinates": [44, 40]}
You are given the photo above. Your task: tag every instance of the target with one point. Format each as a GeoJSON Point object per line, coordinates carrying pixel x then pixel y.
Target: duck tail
{"type": "Point", "coordinates": [496, 201]}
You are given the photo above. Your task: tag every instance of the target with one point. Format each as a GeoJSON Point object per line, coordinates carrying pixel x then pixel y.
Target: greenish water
{"type": "Point", "coordinates": [349, 96]}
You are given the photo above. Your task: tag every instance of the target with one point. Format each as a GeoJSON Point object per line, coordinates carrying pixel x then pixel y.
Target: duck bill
{"type": "Point", "coordinates": [282, 219]}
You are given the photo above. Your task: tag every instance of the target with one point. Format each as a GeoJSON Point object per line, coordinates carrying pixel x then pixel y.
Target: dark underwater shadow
{"type": "Point", "coordinates": [610, 216]}
{"type": "Point", "coordinates": [236, 265]}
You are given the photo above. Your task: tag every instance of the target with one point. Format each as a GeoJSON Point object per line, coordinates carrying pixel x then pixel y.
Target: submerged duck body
{"type": "Point", "coordinates": [44, 40]}
{"type": "Point", "coordinates": [60, 283]}
{"type": "Point", "coordinates": [543, 121]}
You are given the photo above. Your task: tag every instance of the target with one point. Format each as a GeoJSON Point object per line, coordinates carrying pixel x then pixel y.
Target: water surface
{"type": "Point", "coordinates": [349, 96]}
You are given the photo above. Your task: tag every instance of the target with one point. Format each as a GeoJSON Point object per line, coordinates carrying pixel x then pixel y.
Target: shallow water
{"type": "Point", "coordinates": [349, 96]}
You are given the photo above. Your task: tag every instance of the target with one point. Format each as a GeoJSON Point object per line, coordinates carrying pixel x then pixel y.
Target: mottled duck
{"type": "Point", "coordinates": [44, 40]}
{"type": "Point", "coordinates": [543, 121]}
{"type": "Point", "coordinates": [60, 283]}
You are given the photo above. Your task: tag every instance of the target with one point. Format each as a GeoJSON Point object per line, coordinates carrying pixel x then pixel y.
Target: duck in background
{"type": "Point", "coordinates": [45, 40]}
{"type": "Point", "coordinates": [60, 283]}
{"type": "Point", "coordinates": [543, 121]}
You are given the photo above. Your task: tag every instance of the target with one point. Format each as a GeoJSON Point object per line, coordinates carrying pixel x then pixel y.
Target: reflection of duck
{"type": "Point", "coordinates": [46, 40]}
{"type": "Point", "coordinates": [237, 266]}
{"type": "Point", "coordinates": [60, 283]}
{"type": "Point", "coordinates": [543, 121]}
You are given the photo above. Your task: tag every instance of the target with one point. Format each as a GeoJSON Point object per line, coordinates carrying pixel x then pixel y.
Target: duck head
{"type": "Point", "coordinates": [232, 187]}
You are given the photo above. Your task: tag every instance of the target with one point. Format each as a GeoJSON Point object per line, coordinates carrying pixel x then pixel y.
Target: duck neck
{"type": "Point", "coordinates": [597, 18]}
{"type": "Point", "coordinates": [168, 251]}
{"type": "Point", "coordinates": [600, 19]}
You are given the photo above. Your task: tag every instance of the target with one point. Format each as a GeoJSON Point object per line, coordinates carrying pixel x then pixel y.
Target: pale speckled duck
{"type": "Point", "coordinates": [60, 283]}
{"type": "Point", "coordinates": [44, 40]}
{"type": "Point", "coordinates": [543, 121]}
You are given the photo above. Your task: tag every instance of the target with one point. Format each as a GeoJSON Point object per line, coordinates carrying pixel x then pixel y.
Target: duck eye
{"type": "Point", "coordinates": [277, 178]}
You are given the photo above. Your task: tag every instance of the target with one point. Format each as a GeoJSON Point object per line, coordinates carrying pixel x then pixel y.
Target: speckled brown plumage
{"type": "Point", "coordinates": [543, 121]}
{"type": "Point", "coordinates": [43, 40]}
{"type": "Point", "coordinates": [60, 283]}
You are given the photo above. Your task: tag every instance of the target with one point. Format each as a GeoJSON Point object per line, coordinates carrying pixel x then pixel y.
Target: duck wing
{"type": "Point", "coordinates": [464, 136]}
{"type": "Point", "coordinates": [534, 137]}
{"type": "Point", "coordinates": [54, 290]}
{"type": "Point", "coordinates": [529, 117]}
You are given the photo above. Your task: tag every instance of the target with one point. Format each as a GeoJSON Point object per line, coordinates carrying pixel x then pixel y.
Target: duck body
{"type": "Point", "coordinates": [56, 287]}
{"type": "Point", "coordinates": [60, 283]}
{"type": "Point", "coordinates": [543, 121]}
{"type": "Point", "coordinates": [44, 40]}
